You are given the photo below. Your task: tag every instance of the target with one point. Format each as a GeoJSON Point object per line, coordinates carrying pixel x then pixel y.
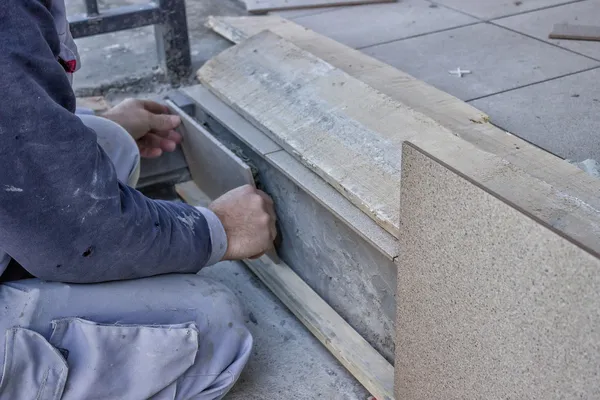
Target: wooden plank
{"type": "Point", "coordinates": [351, 350]}
{"type": "Point", "coordinates": [575, 32]}
{"type": "Point", "coordinates": [492, 302]}
{"type": "Point", "coordinates": [311, 183]}
{"type": "Point", "coordinates": [213, 166]}
{"type": "Point", "coordinates": [439, 105]}
{"type": "Point", "coordinates": [312, 110]}
{"type": "Point", "coordinates": [264, 6]}
{"type": "Point", "coordinates": [576, 194]}
{"type": "Point", "coordinates": [464, 120]}
{"type": "Point", "coordinates": [98, 104]}
{"type": "Point", "coordinates": [190, 193]}
{"type": "Point", "coordinates": [347, 346]}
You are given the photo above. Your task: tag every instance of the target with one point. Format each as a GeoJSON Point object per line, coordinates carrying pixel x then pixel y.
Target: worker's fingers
{"type": "Point", "coordinates": [171, 135]}
{"type": "Point", "coordinates": [269, 205]}
{"type": "Point", "coordinates": [163, 122]}
{"type": "Point", "coordinates": [154, 107]}
{"type": "Point", "coordinates": [273, 229]}
{"type": "Point", "coordinates": [147, 152]}
{"type": "Point", "coordinates": [271, 211]}
{"type": "Point", "coordinates": [152, 140]}
{"type": "Point", "coordinates": [257, 256]}
{"type": "Point", "coordinates": [265, 196]}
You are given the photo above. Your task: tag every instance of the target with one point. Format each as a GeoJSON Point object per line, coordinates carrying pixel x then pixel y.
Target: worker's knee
{"type": "Point", "coordinates": [118, 144]}
{"type": "Point", "coordinates": [218, 300]}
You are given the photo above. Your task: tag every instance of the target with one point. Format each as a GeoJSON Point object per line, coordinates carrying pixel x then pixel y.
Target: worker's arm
{"type": "Point", "coordinates": [63, 214]}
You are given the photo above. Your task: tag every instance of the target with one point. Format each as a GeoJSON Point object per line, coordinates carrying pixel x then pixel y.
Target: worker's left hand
{"type": "Point", "coordinates": [149, 123]}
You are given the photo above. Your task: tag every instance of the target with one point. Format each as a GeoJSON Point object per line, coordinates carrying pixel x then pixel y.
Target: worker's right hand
{"type": "Point", "coordinates": [248, 216]}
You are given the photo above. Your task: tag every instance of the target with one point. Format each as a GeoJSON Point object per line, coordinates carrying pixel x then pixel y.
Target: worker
{"type": "Point", "coordinates": [111, 307]}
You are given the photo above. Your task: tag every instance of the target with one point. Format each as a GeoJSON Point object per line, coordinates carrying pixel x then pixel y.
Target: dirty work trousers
{"type": "Point", "coordinates": [161, 338]}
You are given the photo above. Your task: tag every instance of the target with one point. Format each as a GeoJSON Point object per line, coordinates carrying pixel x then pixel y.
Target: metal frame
{"type": "Point", "coordinates": [170, 29]}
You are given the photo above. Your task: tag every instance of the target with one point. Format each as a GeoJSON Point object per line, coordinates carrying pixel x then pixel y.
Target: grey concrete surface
{"type": "Point", "coordinates": [349, 273]}
{"type": "Point", "coordinates": [361, 26]}
{"type": "Point", "coordinates": [561, 115]}
{"type": "Point", "coordinates": [488, 9]}
{"type": "Point", "coordinates": [287, 362]}
{"type": "Point", "coordinates": [540, 23]}
{"type": "Point", "coordinates": [499, 59]}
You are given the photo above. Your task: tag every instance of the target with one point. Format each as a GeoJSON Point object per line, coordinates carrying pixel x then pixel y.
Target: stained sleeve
{"type": "Point", "coordinates": [64, 216]}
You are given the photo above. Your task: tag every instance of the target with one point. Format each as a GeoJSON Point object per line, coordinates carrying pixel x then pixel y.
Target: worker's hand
{"type": "Point", "coordinates": [249, 218]}
{"type": "Point", "coordinates": [149, 123]}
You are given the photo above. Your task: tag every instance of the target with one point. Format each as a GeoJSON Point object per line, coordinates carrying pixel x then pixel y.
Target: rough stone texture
{"type": "Point", "coordinates": [488, 9]}
{"type": "Point", "coordinates": [354, 278]}
{"type": "Point", "coordinates": [515, 60]}
{"type": "Point", "coordinates": [361, 26]}
{"type": "Point", "coordinates": [562, 115]}
{"type": "Point", "coordinates": [287, 361]}
{"type": "Point", "coordinates": [491, 304]}
{"type": "Point", "coordinates": [540, 23]}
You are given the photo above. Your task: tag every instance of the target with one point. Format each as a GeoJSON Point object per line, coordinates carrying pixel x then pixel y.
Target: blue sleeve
{"type": "Point", "coordinates": [64, 216]}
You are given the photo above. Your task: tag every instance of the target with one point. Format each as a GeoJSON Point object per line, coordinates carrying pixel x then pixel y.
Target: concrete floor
{"type": "Point", "coordinates": [287, 361]}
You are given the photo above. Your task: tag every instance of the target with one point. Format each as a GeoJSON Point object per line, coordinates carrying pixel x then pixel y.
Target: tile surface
{"type": "Point", "coordinates": [561, 116]}
{"type": "Point", "coordinates": [361, 26]}
{"type": "Point", "coordinates": [491, 304]}
{"type": "Point", "coordinates": [540, 23]}
{"type": "Point", "coordinates": [488, 9]}
{"type": "Point", "coordinates": [498, 59]}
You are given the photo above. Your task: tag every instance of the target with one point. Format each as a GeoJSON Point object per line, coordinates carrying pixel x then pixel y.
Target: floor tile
{"type": "Point", "coordinates": [539, 24]}
{"type": "Point", "coordinates": [361, 26]}
{"type": "Point", "coordinates": [561, 115]}
{"type": "Point", "coordinates": [497, 58]}
{"type": "Point", "coordinates": [488, 9]}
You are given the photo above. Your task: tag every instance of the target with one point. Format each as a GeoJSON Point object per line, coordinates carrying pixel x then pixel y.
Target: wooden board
{"type": "Point", "coordinates": [464, 120]}
{"type": "Point", "coordinates": [574, 202]}
{"type": "Point", "coordinates": [312, 184]}
{"type": "Point", "coordinates": [397, 84]}
{"type": "Point", "coordinates": [213, 166]}
{"type": "Point", "coordinates": [264, 6]}
{"type": "Point", "coordinates": [351, 350]}
{"type": "Point", "coordinates": [313, 111]}
{"type": "Point", "coordinates": [492, 302]}
{"type": "Point", "coordinates": [190, 193]}
{"type": "Point", "coordinates": [576, 32]}
{"type": "Point", "coordinates": [98, 104]}
{"type": "Point", "coordinates": [346, 345]}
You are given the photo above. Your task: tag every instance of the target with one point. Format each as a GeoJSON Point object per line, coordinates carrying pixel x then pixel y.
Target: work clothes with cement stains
{"type": "Point", "coordinates": [171, 337]}
{"type": "Point", "coordinates": [64, 214]}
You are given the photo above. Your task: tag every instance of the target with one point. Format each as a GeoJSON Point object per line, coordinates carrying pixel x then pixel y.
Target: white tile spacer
{"type": "Point", "coordinates": [459, 72]}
